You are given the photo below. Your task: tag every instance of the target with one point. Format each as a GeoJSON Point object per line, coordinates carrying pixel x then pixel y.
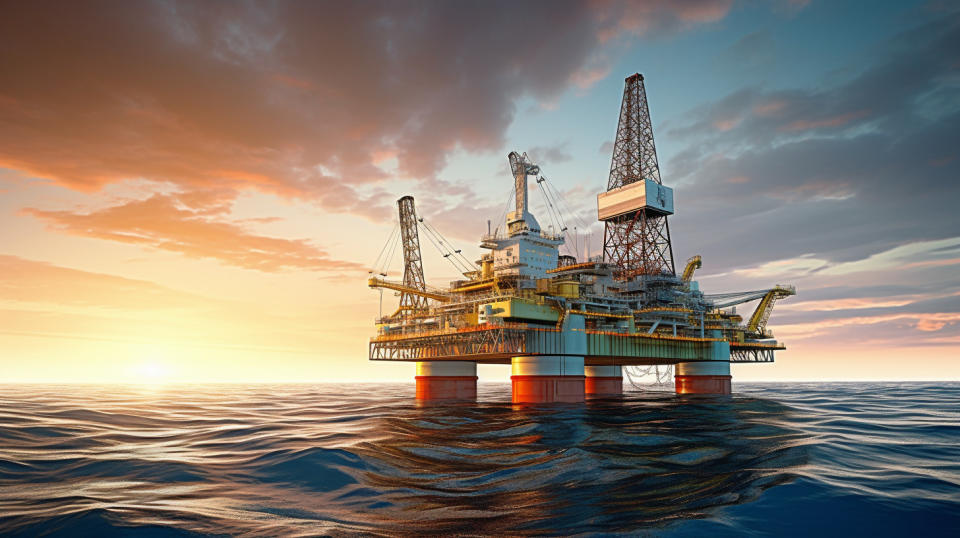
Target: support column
{"type": "Point", "coordinates": [553, 378]}
{"type": "Point", "coordinates": [446, 380]}
{"type": "Point", "coordinates": [603, 380]}
{"type": "Point", "coordinates": [703, 378]}
{"type": "Point", "coordinates": [712, 376]}
{"type": "Point", "coordinates": [547, 379]}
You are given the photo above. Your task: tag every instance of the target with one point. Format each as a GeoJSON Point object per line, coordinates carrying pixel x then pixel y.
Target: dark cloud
{"type": "Point", "coordinates": [301, 99]}
{"type": "Point", "coordinates": [751, 54]}
{"type": "Point", "coordinates": [547, 155]}
{"type": "Point", "coordinates": [840, 173]}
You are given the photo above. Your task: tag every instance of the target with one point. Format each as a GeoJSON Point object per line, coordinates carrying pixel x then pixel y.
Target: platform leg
{"type": "Point", "coordinates": [710, 377]}
{"type": "Point", "coordinates": [547, 379]}
{"type": "Point", "coordinates": [603, 380]}
{"type": "Point", "coordinates": [446, 380]}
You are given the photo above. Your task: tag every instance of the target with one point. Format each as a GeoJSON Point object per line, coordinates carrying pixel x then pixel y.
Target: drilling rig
{"type": "Point", "coordinates": [569, 327]}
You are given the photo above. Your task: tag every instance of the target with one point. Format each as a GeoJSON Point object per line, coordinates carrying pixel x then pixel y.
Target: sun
{"type": "Point", "coordinates": [150, 370]}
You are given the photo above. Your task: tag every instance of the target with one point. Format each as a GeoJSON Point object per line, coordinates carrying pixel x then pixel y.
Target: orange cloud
{"type": "Point", "coordinates": [98, 94]}
{"type": "Point", "coordinates": [656, 16]}
{"type": "Point", "coordinates": [833, 121]}
{"type": "Point", "coordinates": [922, 321]}
{"type": "Point", "coordinates": [192, 224]}
{"type": "Point", "coordinates": [770, 107]}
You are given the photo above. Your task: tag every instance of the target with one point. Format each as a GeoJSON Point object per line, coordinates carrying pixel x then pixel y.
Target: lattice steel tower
{"type": "Point", "coordinates": [412, 264]}
{"type": "Point", "coordinates": [635, 207]}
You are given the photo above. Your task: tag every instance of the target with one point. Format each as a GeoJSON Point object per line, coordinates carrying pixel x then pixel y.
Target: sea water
{"type": "Point", "coordinates": [334, 459]}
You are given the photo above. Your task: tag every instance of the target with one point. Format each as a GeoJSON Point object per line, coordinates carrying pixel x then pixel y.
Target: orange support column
{"type": "Point", "coordinates": [709, 377]}
{"type": "Point", "coordinates": [603, 380]}
{"type": "Point", "coordinates": [547, 379]}
{"type": "Point", "coordinates": [446, 380]}
{"type": "Point", "coordinates": [553, 378]}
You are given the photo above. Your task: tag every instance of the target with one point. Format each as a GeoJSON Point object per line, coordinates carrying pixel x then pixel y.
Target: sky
{"type": "Point", "coordinates": [196, 191]}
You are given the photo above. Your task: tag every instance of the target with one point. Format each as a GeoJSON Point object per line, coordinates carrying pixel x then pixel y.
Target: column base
{"type": "Point", "coordinates": [703, 384]}
{"type": "Point", "coordinates": [547, 388]}
{"type": "Point", "coordinates": [446, 387]}
{"type": "Point", "coordinates": [603, 386]}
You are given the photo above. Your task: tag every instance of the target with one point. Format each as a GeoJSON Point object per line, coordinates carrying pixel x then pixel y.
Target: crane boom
{"type": "Point", "coordinates": [758, 321]}
{"type": "Point", "coordinates": [413, 280]}
{"type": "Point", "coordinates": [693, 264]}
{"type": "Point", "coordinates": [424, 293]}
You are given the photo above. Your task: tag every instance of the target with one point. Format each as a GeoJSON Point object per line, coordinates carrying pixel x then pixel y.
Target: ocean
{"type": "Point", "coordinates": [799, 459]}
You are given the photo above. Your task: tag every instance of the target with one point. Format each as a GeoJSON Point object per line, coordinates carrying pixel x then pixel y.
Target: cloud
{"type": "Point", "coordinates": [899, 323]}
{"type": "Point", "coordinates": [836, 174]}
{"type": "Point", "coordinates": [752, 53]}
{"type": "Point", "coordinates": [193, 224]}
{"type": "Point", "coordinates": [30, 281]}
{"type": "Point", "coordinates": [548, 155]}
{"type": "Point", "coordinates": [943, 252]}
{"type": "Point", "coordinates": [657, 17]}
{"type": "Point", "coordinates": [298, 99]}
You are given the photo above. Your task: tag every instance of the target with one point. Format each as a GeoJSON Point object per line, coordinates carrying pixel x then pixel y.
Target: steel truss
{"type": "Point", "coordinates": [412, 265]}
{"type": "Point", "coordinates": [498, 344]}
{"type": "Point", "coordinates": [752, 354]}
{"type": "Point", "coordinates": [494, 343]}
{"type": "Point", "coordinates": [638, 243]}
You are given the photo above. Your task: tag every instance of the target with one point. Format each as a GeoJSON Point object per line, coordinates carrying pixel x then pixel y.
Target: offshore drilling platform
{"type": "Point", "coordinates": [569, 327]}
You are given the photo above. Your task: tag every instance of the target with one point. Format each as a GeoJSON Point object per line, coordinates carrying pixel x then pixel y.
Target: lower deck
{"type": "Point", "coordinates": [499, 343]}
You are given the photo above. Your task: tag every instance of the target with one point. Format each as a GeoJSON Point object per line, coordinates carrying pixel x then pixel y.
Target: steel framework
{"type": "Point", "coordinates": [752, 355]}
{"type": "Point", "coordinates": [412, 264]}
{"type": "Point", "coordinates": [637, 242]}
{"type": "Point", "coordinates": [495, 343]}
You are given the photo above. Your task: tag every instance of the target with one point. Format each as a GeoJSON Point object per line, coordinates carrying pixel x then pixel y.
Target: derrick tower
{"type": "Point", "coordinates": [634, 209]}
{"type": "Point", "coordinates": [412, 264]}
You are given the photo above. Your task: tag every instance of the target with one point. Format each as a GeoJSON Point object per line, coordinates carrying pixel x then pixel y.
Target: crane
{"type": "Point", "coordinates": [758, 320]}
{"type": "Point", "coordinates": [693, 264]}
{"type": "Point", "coordinates": [521, 167]}
{"type": "Point", "coordinates": [426, 292]}
{"type": "Point", "coordinates": [413, 290]}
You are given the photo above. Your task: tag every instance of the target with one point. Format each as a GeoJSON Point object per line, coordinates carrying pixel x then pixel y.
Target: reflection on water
{"type": "Point", "coordinates": [289, 459]}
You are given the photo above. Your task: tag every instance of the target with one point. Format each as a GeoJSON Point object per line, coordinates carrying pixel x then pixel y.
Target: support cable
{"type": "Point", "coordinates": [511, 195]}
{"type": "Point", "coordinates": [390, 238]}
{"type": "Point", "coordinates": [388, 261]}
{"type": "Point", "coordinates": [455, 255]}
{"type": "Point", "coordinates": [437, 240]}
{"type": "Point", "coordinates": [552, 213]}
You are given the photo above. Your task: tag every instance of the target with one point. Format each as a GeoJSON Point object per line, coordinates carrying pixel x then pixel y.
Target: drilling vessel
{"type": "Point", "coordinates": [568, 327]}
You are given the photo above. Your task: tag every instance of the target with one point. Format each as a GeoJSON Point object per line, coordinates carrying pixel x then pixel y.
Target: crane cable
{"type": "Point", "coordinates": [376, 267]}
{"type": "Point", "coordinates": [552, 198]}
{"type": "Point", "coordinates": [559, 203]}
{"type": "Point", "coordinates": [552, 212]}
{"type": "Point", "coordinates": [454, 256]}
{"type": "Point", "coordinates": [506, 209]}
{"type": "Point", "coordinates": [388, 261]}
{"type": "Point", "coordinates": [562, 201]}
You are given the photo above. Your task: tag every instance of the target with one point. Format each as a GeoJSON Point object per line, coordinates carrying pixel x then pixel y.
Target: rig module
{"type": "Point", "coordinates": [568, 327]}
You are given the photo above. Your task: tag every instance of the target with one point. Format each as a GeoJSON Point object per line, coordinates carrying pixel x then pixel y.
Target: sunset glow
{"type": "Point", "coordinates": [198, 194]}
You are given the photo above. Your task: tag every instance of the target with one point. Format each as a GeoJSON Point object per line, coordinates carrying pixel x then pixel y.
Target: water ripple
{"type": "Point", "coordinates": [270, 460]}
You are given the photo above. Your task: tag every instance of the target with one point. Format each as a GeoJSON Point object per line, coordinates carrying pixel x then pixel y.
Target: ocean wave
{"type": "Point", "coordinates": [343, 459]}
